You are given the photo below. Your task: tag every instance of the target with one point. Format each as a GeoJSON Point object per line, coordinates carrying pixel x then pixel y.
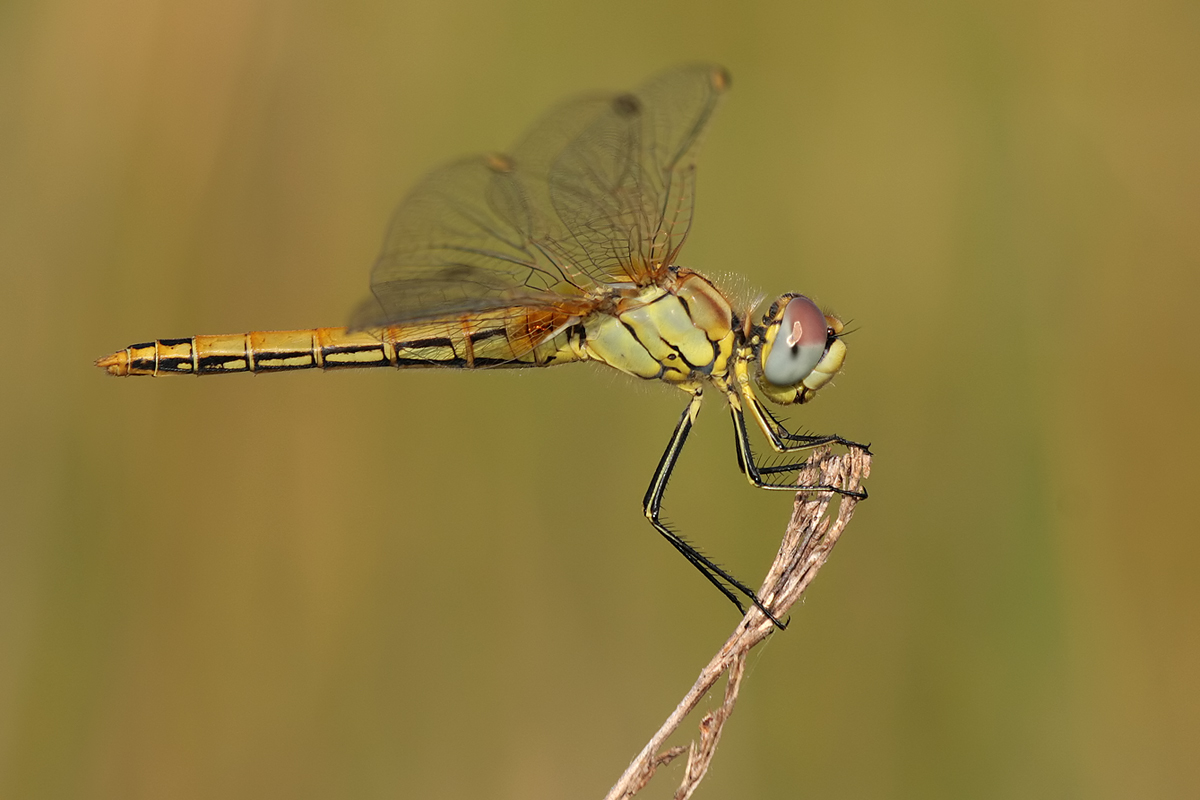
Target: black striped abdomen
{"type": "Point", "coordinates": [464, 344]}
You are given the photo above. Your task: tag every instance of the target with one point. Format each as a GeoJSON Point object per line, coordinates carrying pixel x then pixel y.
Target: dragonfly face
{"type": "Point", "coordinates": [564, 250]}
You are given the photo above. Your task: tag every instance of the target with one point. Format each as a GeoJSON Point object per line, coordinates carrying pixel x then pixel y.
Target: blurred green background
{"type": "Point", "coordinates": [430, 584]}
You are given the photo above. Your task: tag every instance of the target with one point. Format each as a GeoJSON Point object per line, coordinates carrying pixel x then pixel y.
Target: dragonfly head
{"type": "Point", "coordinates": [800, 351]}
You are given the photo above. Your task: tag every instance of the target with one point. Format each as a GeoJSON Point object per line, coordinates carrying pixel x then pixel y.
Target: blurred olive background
{"type": "Point", "coordinates": [432, 584]}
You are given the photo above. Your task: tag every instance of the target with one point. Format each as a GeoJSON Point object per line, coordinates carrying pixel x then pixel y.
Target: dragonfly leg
{"type": "Point", "coordinates": [652, 507]}
{"type": "Point", "coordinates": [764, 477]}
{"type": "Point", "coordinates": [782, 440]}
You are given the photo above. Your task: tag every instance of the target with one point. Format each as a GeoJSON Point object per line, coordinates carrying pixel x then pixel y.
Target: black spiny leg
{"type": "Point", "coordinates": [760, 475]}
{"type": "Point", "coordinates": [652, 506]}
{"type": "Point", "coordinates": [784, 441]}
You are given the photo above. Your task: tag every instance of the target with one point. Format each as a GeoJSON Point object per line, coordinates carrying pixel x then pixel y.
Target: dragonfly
{"type": "Point", "coordinates": [565, 250]}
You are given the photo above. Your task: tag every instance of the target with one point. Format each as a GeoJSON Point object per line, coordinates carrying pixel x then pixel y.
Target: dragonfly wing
{"type": "Point", "coordinates": [624, 188]}
{"type": "Point", "coordinates": [448, 252]}
{"type": "Point", "coordinates": [598, 192]}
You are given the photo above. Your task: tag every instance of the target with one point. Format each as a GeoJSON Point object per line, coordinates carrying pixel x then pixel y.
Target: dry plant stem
{"type": "Point", "coordinates": [806, 545]}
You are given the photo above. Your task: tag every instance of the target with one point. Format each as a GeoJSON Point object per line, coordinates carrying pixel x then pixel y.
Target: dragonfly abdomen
{"type": "Point", "coordinates": [462, 344]}
{"type": "Point", "coordinates": [258, 351]}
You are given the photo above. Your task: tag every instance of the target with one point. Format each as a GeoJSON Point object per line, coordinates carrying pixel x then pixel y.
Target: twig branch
{"type": "Point", "coordinates": [809, 539]}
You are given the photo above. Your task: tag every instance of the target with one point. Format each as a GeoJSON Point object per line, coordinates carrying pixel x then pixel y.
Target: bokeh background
{"type": "Point", "coordinates": [429, 584]}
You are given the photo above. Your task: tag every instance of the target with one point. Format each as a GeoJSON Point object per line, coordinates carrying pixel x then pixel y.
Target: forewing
{"type": "Point", "coordinates": [598, 192]}
{"type": "Point", "coordinates": [624, 188]}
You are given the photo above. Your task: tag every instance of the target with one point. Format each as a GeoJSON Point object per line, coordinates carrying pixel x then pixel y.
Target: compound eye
{"type": "Point", "coordinates": [798, 344]}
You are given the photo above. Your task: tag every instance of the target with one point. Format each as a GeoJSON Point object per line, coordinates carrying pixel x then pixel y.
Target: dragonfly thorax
{"type": "Point", "coordinates": [680, 331]}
